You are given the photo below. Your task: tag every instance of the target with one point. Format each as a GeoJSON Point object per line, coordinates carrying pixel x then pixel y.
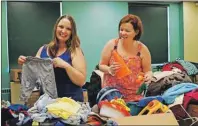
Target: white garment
{"type": "Point", "coordinates": [178, 100]}
{"type": "Point", "coordinates": [161, 74]}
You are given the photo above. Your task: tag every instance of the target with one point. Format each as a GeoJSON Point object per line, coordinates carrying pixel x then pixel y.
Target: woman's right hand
{"type": "Point", "coordinates": [113, 68]}
{"type": "Point", "coordinates": [21, 60]}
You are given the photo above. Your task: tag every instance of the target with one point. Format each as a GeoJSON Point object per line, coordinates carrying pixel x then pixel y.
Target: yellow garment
{"type": "Point", "coordinates": [120, 102]}
{"type": "Point", "coordinates": [34, 123]}
{"type": "Point", "coordinates": [63, 107]}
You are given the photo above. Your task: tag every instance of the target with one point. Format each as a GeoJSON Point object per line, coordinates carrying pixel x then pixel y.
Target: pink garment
{"type": "Point", "coordinates": [170, 66]}
{"type": "Point", "coordinates": [127, 85]}
{"type": "Point", "coordinates": [189, 96]}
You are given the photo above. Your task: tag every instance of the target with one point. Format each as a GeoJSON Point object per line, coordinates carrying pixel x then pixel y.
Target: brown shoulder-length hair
{"type": "Point", "coordinates": [135, 21]}
{"type": "Point", "coordinates": [72, 43]}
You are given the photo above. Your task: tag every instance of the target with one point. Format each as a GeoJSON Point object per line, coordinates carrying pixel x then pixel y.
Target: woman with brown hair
{"type": "Point", "coordinates": [134, 54]}
{"type": "Point", "coordinates": [68, 59]}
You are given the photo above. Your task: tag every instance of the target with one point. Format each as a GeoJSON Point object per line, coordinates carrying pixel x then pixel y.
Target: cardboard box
{"type": "Point", "coordinates": [15, 93]}
{"type": "Point", "coordinates": [15, 75]}
{"type": "Point", "coordinates": [167, 119]}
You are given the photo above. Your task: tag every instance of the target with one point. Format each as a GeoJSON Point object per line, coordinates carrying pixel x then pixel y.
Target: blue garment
{"type": "Point", "coordinates": [111, 123]}
{"type": "Point", "coordinates": [18, 107]}
{"type": "Point", "coordinates": [59, 123]}
{"type": "Point", "coordinates": [170, 94]}
{"type": "Point", "coordinates": [134, 108]}
{"type": "Point", "coordinates": [65, 87]}
{"type": "Point", "coordinates": [144, 101]}
{"type": "Point", "coordinates": [190, 68]}
{"type": "Point", "coordinates": [108, 93]}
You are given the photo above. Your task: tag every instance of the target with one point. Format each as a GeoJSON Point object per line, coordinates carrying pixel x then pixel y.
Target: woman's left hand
{"type": "Point", "coordinates": [58, 62]}
{"type": "Point", "coordinates": [147, 77]}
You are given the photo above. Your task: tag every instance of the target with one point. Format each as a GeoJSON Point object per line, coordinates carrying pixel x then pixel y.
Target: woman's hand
{"type": "Point", "coordinates": [21, 60]}
{"type": "Point", "coordinates": [113, 68]}
{"type": "Point", "coordinates": [147, 77]}
{"type": "Point", "coordinates": [58, 62]}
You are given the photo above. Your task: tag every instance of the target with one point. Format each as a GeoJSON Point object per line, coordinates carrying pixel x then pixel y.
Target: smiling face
{"type": "Point", "coordinates": [63, 30]}
{"type": "Point", "coordinates": [130, 26]}
{"type": "Point", "coordinates": [127, 31]}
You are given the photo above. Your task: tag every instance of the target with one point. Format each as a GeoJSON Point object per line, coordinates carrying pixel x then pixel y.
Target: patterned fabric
{"type": "Point", "coordinates": [126, 85]}
{"type": "Point", "coordinates": [189, 67]}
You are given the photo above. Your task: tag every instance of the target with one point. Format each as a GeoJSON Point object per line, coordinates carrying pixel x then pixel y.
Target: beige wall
{"type": "Point", "coordinates": [190, 15]}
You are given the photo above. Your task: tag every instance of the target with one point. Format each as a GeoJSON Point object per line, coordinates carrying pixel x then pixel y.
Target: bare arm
{"type": "Point", "coordinates": [77, 72]}
{"type": "Point", "coordinates": [146, 63]}
{"type": "Point", "coordinates": [22, 59]}
{"type": "Point", "coordinates": [105, 57]}
{"type": "Point", "coordinates": [104, 65]}
{"type": "Point", "coordinates": [146, 59]}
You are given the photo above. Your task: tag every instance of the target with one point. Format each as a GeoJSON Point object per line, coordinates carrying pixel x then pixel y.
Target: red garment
{"type": "Point", "coordinates": [127, 85]}
{"type": "Point", "coordinates": [169, 67]}
{"type": "Point", "coordinates": [189, 96]}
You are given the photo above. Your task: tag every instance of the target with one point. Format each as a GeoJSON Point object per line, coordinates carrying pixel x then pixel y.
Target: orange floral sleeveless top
{"type": "Point", "coordinates": [126, 85]}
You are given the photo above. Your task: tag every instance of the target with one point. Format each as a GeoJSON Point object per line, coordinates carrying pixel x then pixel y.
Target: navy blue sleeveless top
{"type": "Point", "coordinates": [65, 87]}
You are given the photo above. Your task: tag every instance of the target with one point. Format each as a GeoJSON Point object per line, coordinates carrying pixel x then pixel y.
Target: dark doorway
{"type": "Point", "coordinates": [155, 23]}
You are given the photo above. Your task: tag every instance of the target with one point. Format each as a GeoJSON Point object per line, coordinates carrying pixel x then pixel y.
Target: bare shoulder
{"type": "Point", "coordinates": [78, 51]}
{"type": "Point", "coordinates": [109, 45]}
{"type": "Point", "coordinates": [39, 51]}
{"type": "Point", "coordinates": [144, 48]}
{"type": "Point", "coordinates": [111, 42]}
{"type": "Point", "coordinates": [41, 48]}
